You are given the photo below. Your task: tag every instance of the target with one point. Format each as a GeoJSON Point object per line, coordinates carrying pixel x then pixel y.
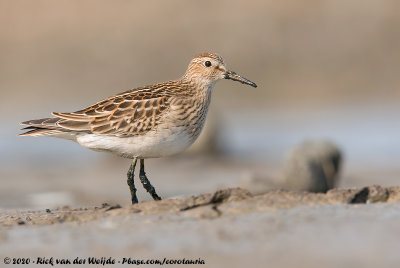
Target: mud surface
{"type": "Point", "coordinates": [230, 227]}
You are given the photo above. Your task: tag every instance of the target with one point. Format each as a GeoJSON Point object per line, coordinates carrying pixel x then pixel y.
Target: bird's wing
{"type": "Point", "coordinates": [130, 113]}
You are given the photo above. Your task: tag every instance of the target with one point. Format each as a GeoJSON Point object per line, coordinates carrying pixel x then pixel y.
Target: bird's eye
{"type": "Point", "coordinates": [207, 63]}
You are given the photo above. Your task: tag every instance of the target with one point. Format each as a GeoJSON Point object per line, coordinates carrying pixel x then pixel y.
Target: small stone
{"type": "Point", "coordinates": [313, 166]}
{"type": "Point", "coordinates": [377, 194]}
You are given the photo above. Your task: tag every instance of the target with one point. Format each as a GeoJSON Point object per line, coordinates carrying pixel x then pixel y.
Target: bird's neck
{"type": "Point", "coordinates": [199, 84]}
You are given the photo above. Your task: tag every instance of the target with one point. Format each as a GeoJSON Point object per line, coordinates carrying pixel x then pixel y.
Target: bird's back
{"type": "Point", "coordinates": [167, 116]}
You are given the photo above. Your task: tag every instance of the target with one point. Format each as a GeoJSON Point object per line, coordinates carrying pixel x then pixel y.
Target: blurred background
{"type": "Point", "coordinates": [326, 69]}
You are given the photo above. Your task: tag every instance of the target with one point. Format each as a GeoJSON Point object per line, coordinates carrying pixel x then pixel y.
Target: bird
{"type": "Point", "coordinates": [151, 121]}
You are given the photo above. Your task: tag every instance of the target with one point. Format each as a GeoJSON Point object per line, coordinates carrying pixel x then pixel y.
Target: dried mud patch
{"type": "Point", "coordinates": [230, 201]}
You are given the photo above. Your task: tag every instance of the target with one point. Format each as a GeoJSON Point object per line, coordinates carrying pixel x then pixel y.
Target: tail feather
{"type": "Point", "coordinates": [48, 122]}
{"type": "Point", "coordinates": [41, 127]}
{"type": "Point", "coordinates": [40, 132]}
{"type": "Point", "coordinates": [54, 127]}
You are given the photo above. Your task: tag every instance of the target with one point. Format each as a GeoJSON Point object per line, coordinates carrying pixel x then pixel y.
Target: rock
{"type": "Point", "coordinates": [312, 166]}
{"type": "Point", "coordinates": [377, 193]}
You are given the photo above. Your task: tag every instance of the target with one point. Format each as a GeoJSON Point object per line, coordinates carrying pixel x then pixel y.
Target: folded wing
{"type": "Point", "coordinates": [128, 114]}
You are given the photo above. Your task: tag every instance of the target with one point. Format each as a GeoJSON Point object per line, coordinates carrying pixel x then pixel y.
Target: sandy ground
{"type": "Point", "coordinates": [227, 228]}
{"type": "Point", "coordinates": [325, 70]}
{"type": "Point", "coordinates": [56, 211]}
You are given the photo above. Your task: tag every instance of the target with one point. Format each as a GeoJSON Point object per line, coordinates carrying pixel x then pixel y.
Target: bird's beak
{"type": "Point", "coordinates": [235, 77]}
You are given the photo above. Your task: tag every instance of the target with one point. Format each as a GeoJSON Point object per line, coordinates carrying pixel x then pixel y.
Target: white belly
{"type": "Point", "coordinates": [150, 145]}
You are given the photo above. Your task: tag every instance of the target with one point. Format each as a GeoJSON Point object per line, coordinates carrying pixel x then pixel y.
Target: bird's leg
{"type": "Point", "coordinates": [146, 183]}
{"type": "Point", "coordinates": [131, 183]}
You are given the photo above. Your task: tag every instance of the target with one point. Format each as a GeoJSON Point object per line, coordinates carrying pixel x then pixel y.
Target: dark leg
{"type": "Point", "coordinates": [130, 181]}
{"type": "Point", "coordinates": [146, 183]}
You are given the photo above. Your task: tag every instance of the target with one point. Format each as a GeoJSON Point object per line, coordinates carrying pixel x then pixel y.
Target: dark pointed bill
{"type": "Point", "coordinates": [235, 77]}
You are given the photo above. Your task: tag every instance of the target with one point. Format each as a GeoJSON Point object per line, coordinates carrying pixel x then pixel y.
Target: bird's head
{"type": "Point", "coordinates": [208, 68]}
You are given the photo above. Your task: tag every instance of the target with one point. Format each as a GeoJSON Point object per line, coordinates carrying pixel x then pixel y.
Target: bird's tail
{"type": "Point", "coordinates": [41, 127]}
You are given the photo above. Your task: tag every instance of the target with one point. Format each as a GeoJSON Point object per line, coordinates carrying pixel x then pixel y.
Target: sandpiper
{"type": "Point", "coordinates": [146, 122]}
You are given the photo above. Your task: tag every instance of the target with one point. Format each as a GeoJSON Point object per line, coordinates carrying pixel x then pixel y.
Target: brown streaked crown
{"type": "Point", "coordinates": [212, 56]}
